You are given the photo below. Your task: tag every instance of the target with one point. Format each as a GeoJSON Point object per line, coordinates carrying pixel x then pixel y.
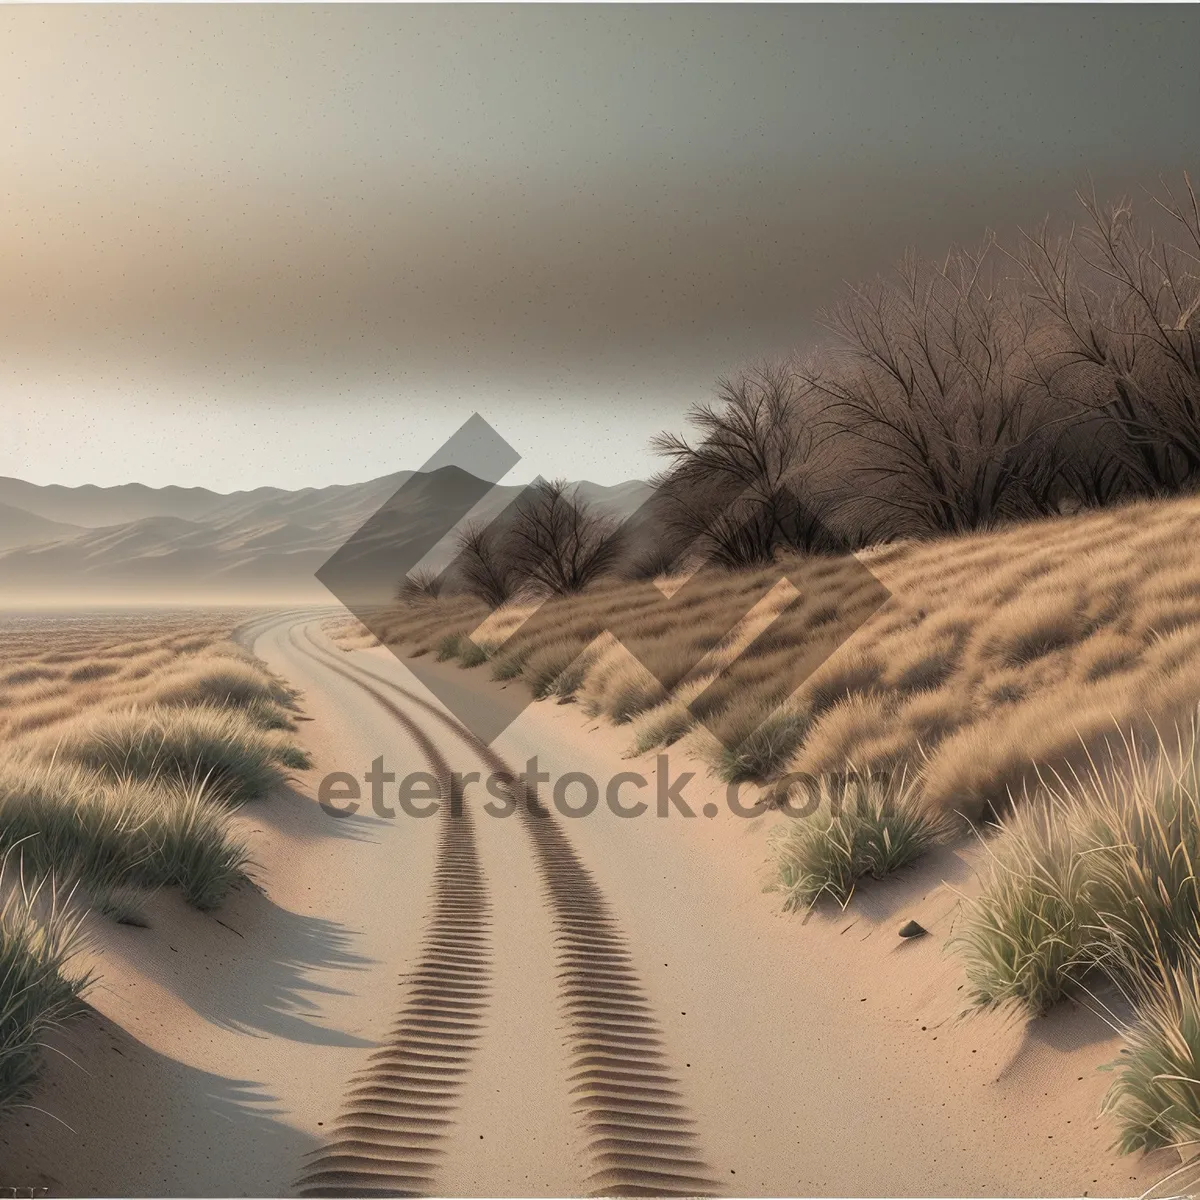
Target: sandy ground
{"type": "Point", "coordinates": [498, 1006]}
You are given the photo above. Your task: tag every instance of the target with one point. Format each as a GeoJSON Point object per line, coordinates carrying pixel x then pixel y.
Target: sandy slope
{"type": "Point", "coordinates": [597, 1003]}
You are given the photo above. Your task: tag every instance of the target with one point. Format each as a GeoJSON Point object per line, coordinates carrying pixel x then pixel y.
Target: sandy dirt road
{"type": "Point", "coordinates": [641, 1015]}
{"type": "Point", "coordinates": [470, 1004]}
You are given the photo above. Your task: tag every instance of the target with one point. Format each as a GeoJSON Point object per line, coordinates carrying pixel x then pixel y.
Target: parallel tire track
{"type": "Point", "coordinates": [639, 1135]}
{"type": "Point", "coordinates": [249, 631]}
{"type": "Point", "coordinates": [397, 1111]}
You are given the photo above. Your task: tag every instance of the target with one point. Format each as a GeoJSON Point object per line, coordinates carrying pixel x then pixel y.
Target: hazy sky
{"type": "Point", "coordinates": [297, 246]}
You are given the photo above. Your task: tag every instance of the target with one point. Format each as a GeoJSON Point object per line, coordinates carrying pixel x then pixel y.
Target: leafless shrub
{"type": "Point", "coordinates": [1121, 306]}
{"type": "Point", "coordinates": [421, 585]}
{"type": "Point", "coordinates": [741, 493]}
{"type": "Point", "coordinates": [557, 542]}
{"type": "Point", "coordinates": [931, 377]}
{"type": "Point", "coordinates": [483, 567]}
{"type": "Point", "coordinates": [958, 395]}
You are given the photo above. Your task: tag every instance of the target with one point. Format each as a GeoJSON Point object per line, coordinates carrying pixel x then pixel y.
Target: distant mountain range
{"type": "Point", "coordinates": [136, 544]}
{"type": "Point", "coordinates": [20, 527]}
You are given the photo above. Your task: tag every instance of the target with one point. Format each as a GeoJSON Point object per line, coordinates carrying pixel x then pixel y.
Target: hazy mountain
{"type": "Point", "coordinates": [94, 507]}
{"type": "Point", "coordinates": [19, 527]}
{"type": "Point", "coordinates": [190, 544]}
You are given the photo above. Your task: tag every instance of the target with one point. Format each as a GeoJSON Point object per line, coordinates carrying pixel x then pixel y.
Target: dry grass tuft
{"type": "Point", "coordinates": [862, 826]}
{"type": "Point", "coordinates": [224, 681]}
{"type": "Point", "coordinates": [126, 738]}
{"type": "Point", "coordinates": [471, 653]}
{"type": "Point", "coordinates": [1094, 873]}
{"type": "Point", "coordinates": [221, 748]}
{"type": "Point", "coordinates": [449, 646]}
{"type": "Point", "coordinates": [1156, 1096]}
{"type": "Point", "coordinates": [39, 934]}
{"type": "Point", "coordinates": [119, 833]}
{"type": "Point", "coordinates": [1095, 879]}
{"type": "Point", "coordinates": [541, 670]}
{"type": "Point", "coordinates": [668, 722]}
{"type": "Point", "coordinates": [756, 745]}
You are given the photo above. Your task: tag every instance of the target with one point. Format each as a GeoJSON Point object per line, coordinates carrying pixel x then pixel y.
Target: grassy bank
{"type": "Point", "coordinates": [1035, 686]}
{"type": "Point", "coordinates": [128, 741]}
{"type": "Point", "coordinates": [997, 654]}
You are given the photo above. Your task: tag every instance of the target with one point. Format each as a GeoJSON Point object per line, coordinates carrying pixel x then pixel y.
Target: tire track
{"type": "Point", "coordinates": [250, 630]}
{"type": "Point", "coordinates": [638, 1132]}
{"type": "Point", "coordinates": [386, 1141]}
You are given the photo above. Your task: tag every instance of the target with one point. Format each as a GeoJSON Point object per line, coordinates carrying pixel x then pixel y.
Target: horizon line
{"type": "Point", "coordinates": [266, 487]}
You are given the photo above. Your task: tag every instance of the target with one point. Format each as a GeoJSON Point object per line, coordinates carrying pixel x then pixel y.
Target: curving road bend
{"type": "Point", "coordinates": [610, 1006]}
{"type": "Point", "coordinates": [623, 1123]}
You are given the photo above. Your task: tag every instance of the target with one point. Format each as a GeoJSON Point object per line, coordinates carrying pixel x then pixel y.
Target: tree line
{"type": "Point", "coordinates": [1003, 382]}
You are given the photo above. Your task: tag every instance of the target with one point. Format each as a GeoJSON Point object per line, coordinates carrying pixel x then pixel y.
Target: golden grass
{"type": "Point", "coordinates": [125, 739]}
{"type": "Point", "coordinates": [54, 667]}
{"type": "Point", "coordinates": [77, 825]}
{"type": "Point", "coordinates": [998, 652]}
{"type": "Point", "coordinates": [1092, 878]}
{"type": "Point", "coordinates": [1005, 666]}
{"type": "Point", "coordinates": [39, 935]}
{"type": "Point", "coordinates": [858, 827]}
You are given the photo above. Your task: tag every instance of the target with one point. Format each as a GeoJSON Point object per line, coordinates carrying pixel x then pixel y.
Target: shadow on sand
{"type": "Point", "coordinates": [295, 815]}
{"type": "Point", "coordinates": [128, 1121]}
{"type": "Point", "coordinates": [879, 904]}
{"type": "Point", "coordinates": [202, 959]}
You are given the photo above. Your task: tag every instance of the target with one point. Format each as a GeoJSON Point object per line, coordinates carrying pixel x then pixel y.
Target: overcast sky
{"type": "Point", "coordinates": [292, 246]}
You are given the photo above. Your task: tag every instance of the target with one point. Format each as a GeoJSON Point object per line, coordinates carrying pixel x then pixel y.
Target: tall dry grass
{"type": "Point", "coordinates": [126, 738]}
{"type": "Point", "coordinates": [998, 654]}
{"type": "Point", "coordinates": [114, 833]}
{"type": "Point", "coordinates": [1094, 879]}
{"type": "Point", "coordinates": [1155, 1098]}
{"type": "Point", "coordinates": [221, 749]}
{"type": "Point", "coordinates": [858, 827]}
{"type": "Point", "coordinates": [39, 935]}
{"type": "Point", "coordinates": [1026, 675]}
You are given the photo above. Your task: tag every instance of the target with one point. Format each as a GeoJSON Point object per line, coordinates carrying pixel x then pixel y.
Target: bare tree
{"type": "Point", "coordinates": [482, 565]}
{"type": "Point", "coordinates": [931, 376]}
{"type": "Point", "coordinates": [557, 542]}
{"type": "Point", "coordinates": [422, 585]}
{"type": "Point", "coordinates": [1122, 306]}
{"type": "Point", "coordinates": [740, 493]}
